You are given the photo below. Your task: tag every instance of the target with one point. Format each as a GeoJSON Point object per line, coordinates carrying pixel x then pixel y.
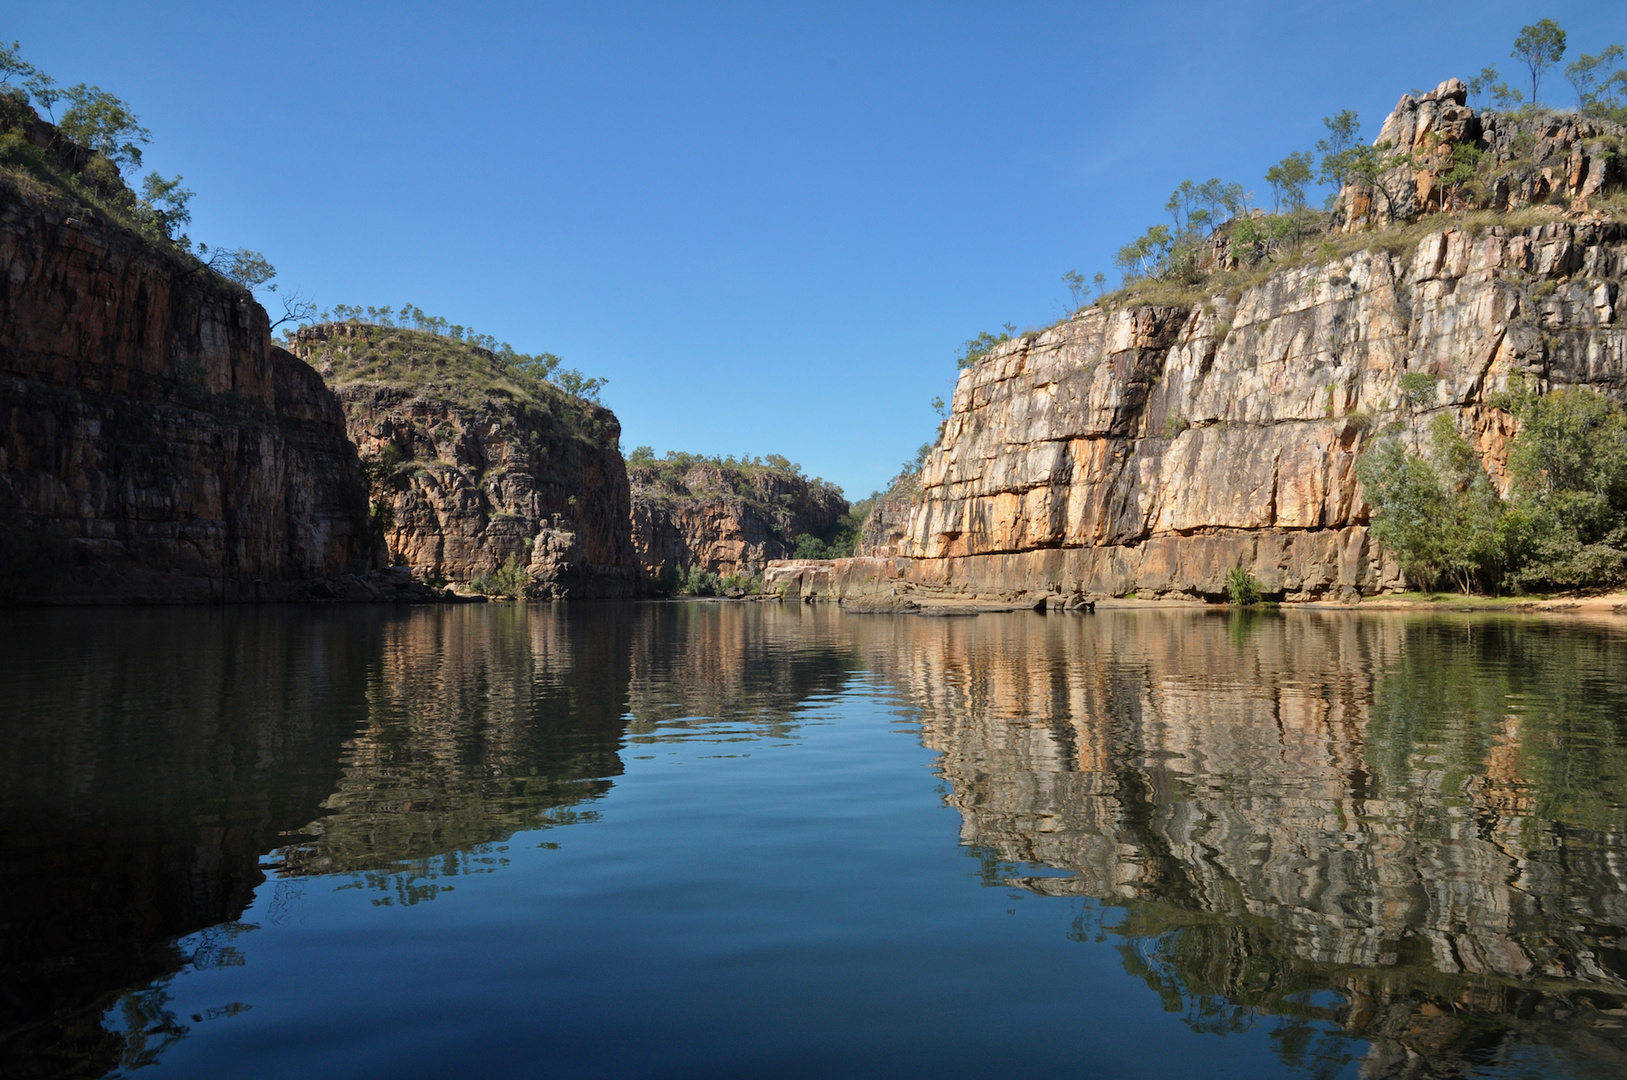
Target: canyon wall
{"type": "Point", "coordinates": [156, 445]}
{"type": "Point", "coordinates": [475, 465]}
{"type": "Point", "coordinates": [1149, 448]}
{"type": "Point", "coordinates": [724, 519]}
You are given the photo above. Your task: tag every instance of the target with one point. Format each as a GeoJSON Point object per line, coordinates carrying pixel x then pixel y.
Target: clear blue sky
{"type": "Point", "coordinates": [770, 225]}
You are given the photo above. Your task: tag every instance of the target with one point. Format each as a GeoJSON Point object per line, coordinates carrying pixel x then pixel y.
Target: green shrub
{"type": "Point", "coordinates": [1241, 588]}
{"type": "Point", "coordinates": [510, 579]}
{"type": "Point", "coordinates": [1438, 515]}
{"type": "Point", "coordinates": [1418, 388]}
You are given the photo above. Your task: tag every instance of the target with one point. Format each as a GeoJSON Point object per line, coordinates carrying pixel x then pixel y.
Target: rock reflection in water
{"type": "Point", "coordinates": [1423, 816]}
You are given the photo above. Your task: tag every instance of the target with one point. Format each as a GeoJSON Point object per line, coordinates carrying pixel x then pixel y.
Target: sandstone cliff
{"type": "Point", "coordinates": [725, 518]}
{"type": "Point", "coordinates": [477, 464]}
{"type": "Point", "coordinates": [156, 445]}
{"type": "Point", "coordinates": [1149, 448]}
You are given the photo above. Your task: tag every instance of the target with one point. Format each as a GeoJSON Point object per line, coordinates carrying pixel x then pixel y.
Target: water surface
{"type": "Point", "coordinates": [749, 840]}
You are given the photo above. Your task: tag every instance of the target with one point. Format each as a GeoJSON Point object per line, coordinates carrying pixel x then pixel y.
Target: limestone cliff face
{"type": "Point", "coordinates": [153, 435]}
{"type": "Point", "coordinates": [476, 467]}
{"type": "Point", "coordinates": [723, 519]}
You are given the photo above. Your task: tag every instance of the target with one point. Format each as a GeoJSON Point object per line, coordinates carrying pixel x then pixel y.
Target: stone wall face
{"type": "Point", "coordinates": [723, 520]}
{"type": "Point", "coordinates": [1151, 450]}
{"type": "Point", "coordinates": [503, 478]}
{"type": "Point", "coordinates": [152, 431]}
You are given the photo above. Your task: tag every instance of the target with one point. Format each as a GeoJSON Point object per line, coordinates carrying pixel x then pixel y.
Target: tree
{"type": "Point", "coordinates": [1464, 166]}
{"type": "Point", "coordinates": [44, 90]}
{"type": "Point", "coordinates": [1569, 466]}
{"type": "Point", "coordinates": [249, 269]}
{"type": "Point", "coordinates": [1288, 179]}
{"type": "Point", "coordinates": [1540, 46]}
{"type": "Point", "coordinates": [1145, 256]}
{"type": "Point", "coordinates": [296, 308]}
{"type": "Point", "coordinates": [1590, 74]}
{"type": "Point", "coordinates": [1100, 282]}
{"type": "Point", "coordinates": [1344, 133]}
{"type": "Point", "coordinates": [101, 122]}
{"type": "Point", "coordinates": [974, 349]}
{"type": "Point", "coordinates": [1491, 84]}
{"type": "Point", "coordinates": [1438, 514]}
{"type": "Point", "coordinates": [12, 64]}
{"type": "Point", "coordinates": [1077, 287]}
{"type": "Point", "coordinates": [166, 202]}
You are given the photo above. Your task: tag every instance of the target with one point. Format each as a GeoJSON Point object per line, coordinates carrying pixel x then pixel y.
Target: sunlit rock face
{"type": "Point", "coordinates": [722, 519]}
{"type": "Point", "coordinates": [1153, 449]}
{"type": "Point", "coordinates": [156, 445]}
{"type": "Point", "coordinates": [1417, 815]}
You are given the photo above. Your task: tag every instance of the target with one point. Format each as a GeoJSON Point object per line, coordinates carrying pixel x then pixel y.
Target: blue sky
{"type": "Point", "coordinates": [769, 225]}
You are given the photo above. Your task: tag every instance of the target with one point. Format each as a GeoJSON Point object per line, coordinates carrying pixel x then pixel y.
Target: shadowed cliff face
{"type": "Point", "coordinates": [155, 441]}
{"type": "Point", "coordinates": [1422, 817]}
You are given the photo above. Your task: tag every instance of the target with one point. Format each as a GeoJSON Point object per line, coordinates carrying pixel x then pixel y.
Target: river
{"type": "Point", "coordinates": [714, 839]}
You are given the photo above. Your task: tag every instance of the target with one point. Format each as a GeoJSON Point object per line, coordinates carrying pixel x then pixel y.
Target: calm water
{"type": "Point", "coordinates": [742, 840]}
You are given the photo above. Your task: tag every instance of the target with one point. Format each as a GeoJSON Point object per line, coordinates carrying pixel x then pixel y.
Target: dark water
{"type": "Point", "coordinates": [742, 840]}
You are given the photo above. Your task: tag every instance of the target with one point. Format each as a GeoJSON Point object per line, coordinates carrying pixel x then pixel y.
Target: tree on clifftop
{"type": "Point", "coordinates": [1540, 45]}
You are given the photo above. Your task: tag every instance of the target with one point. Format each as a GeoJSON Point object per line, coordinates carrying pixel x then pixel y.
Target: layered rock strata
{"type": "Point", "coordinates": [156, 445]}
{"type": "Point", "coordinates": [1150, 450]}
{"type": "Point", "coordinates": [475, 466]}
{"type": "Point", "coordinates": [723, 519]}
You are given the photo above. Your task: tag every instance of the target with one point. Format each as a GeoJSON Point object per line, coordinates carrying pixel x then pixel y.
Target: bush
{"type": "Point", "coordinates": [1439, 514]}
{"type": "Point", "coordinates": [1241, 588]}
{"type": "Point", "coordinates": [510, 579]}
{"type": "Point", "coordinates": [1568, 528]}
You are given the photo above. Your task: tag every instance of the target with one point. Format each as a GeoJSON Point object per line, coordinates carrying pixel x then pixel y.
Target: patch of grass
{"type": "Point", "coordinates": [1241, 588]}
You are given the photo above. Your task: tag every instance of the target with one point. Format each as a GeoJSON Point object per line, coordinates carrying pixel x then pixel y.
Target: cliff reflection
{"type": "Point", "coordinates": [1424, 817]}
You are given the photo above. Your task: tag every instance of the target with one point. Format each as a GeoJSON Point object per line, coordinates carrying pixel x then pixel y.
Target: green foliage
{"type": "Point", "coordinates": [1569, 464]}
{"type": "Point", "coordinates": [1489, 83]}
{"type": "Point", "coordinates": [1147, 256]}
{"type": "Point", "coordinates": [1438, 515]}
{"type": "Point", "coordinates": [810, 547]}
{"type": "Point", "coordinates": [641, 455]}
{"type": "Point", "coordinates": [1241, 588]}
{"type": "Point", "coordinates": [510, 579]}
{"type": "Point", "coordinates": [249, 269]}
{"type": "Point", "coordinates": [1342, 141]}
{"type": "Point", "coordinates": [1418, 387]}
{"type": "Point", "coordinates": [1540, 46]}
{"type": "Point", "coordinates": [167, 200]}
{"type": "Point", "coordinates": [486, 361]}
{"type": "Point", "coordinates": [1289, 178]}
{"type": "Point", "coordinates": [975, 349]}
{"type": "Point", "coordinates": [99, 121]}
{"type": "Point", "coordinates": [694, 580]}
{"type": "Point", "coordinates": [1594, 77]}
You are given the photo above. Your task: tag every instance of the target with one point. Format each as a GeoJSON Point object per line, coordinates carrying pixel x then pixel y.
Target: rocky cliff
{"type": "Point", "coordinates": [476, 464]}
{"type": "Point", "coordinates": [725, 518]}
{"type": "Point", "coordinates": [1150, 447]}
{"type": "Point", "coordinates": [156, 445]}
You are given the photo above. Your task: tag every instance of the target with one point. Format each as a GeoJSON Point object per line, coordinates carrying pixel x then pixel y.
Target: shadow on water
{"type": "Point", "coordinates": [1404, 830]}
{"type": "Point", "coordinates": [1394, 841]}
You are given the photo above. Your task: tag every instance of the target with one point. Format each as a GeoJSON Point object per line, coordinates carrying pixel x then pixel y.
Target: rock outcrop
{"type": "Point", "coordinates": [1151, 449]}
{"type": "Point", "coordinates": [475, 464]}
{"type": "Point", "coordinates": [1528, 159]}
{"type": "Point", "coordinates": [722, 517]}
{"type": "Point", "coordinates": [156, 445]}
